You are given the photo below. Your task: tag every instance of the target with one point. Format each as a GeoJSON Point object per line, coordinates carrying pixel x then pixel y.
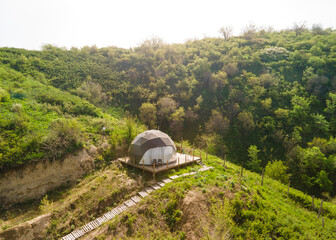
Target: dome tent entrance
{"type": "Point", "coordinates": [166, 153]}
{"type": "Point", "coordinates": [150, 145]}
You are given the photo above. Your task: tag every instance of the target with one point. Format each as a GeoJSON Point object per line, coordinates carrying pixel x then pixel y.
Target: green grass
{"type": "Point", "coordinates": [233, 206]}
{"type": "Point", "coordinates": [34, 114]}
{"type": "Point", "coordinates": [238, 208]}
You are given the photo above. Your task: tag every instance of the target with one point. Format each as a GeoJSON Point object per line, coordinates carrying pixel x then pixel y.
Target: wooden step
{"type": "Point", "coordinates": [109, 215]}
{"type": "Point", "coordinates": [67, 237]}
{"type": "Point", "coordinates": [91, 226]}
{"type": "Point", "coordinates": [129, 203]}
{"type": "Point", "coordinates": [74, 233]}
{"type": "Point", "coordinates": [78, 233]}
{"type": "Point", "coordinates": [115, 212]}
{"type": "Point", "coordinates": [174, 177]}
{"type": "Point", "coordinates": [71, 237]}
{"type": "Point", "coordinates": [136, 199]}
{"type": "Point", "coordinates": [161, 184]}
{"type": "Point", "coordinates": [149, 190]}
{"type": "Point", "coordinates": [103, 218]}
{"type": "Point", "coordinates": [85, 228]}
{"type": "Point", "coordinates": [167, 180]}
{"type": "Point", "coordinates": [156, 187]}
{"type": "Point", "coordinates": [188, 174]}
{"type": "Point", "coordinates": [99, 221]}
{"type": "Point", "coordinates": [123, 207]}
{"type": "Point", "coordinates": [143, 194]}
{"type": "Point", "coordinates": [94, 225]}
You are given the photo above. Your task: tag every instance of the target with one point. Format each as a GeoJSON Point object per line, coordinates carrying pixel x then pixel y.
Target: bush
{"type": "Point", "coordinates": [18, 94]}
{"type": "Point", "coordinates": [65, 136]}
{"type": "Point", "coordinates": [277, 170]}
{"type": "Point", "coordinates": [4, 95]}
{"type": "Point", "coordinates": [17, 107]}
{"type": "Point", "coordinates": [68, 103]}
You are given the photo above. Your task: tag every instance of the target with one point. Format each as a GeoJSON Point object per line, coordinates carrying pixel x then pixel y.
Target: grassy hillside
{"type": "Point", "coordinates": [218, 204]}
{"type": "Point", "coordinates": [273, 92]}
{"type": "Point", "coordinates": [40, 122]}
{"type": "Point", "coordinates": [265, 100]}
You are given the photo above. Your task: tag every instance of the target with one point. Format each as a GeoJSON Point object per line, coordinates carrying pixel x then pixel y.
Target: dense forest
{"type": "Point", "coordinates": [265, 99]}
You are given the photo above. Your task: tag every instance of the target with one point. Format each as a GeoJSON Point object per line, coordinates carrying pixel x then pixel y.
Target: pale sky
{"type": "Point", "coordinates": [126, 23]}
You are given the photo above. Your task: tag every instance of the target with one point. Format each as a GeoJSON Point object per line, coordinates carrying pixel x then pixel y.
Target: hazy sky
{"type": "Point", "coordinates": [126, 23]}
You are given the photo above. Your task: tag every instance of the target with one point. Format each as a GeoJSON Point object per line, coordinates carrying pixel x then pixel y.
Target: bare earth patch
{"type": "Point", "coordinates": [195, 210]}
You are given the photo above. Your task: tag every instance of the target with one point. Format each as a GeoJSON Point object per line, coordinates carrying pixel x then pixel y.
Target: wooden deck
{"type": "Point", "coordinates": [182, 159]}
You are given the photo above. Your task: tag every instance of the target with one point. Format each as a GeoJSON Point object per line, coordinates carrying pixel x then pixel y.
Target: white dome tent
{"type": "Point", "coordinates": [152, 146]}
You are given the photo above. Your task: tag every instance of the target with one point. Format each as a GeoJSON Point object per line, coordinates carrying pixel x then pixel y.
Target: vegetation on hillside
{"type": "Point", "coordinates": [40, 122]}
{"type": "Point", "coordinates": [217, 204]}
{"type": "Point", "coordinates": [263, 98]}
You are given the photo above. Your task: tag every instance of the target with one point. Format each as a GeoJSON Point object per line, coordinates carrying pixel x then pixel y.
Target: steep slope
{"type": "Point", "coordinates": [49, 137]}
{"type": "Point", "coordinates": [219, 204]}
{"type": "Point", "coordinates": [223, 205]}
{"type": "Point", "coordinates": [39, 121]}
{"type": "Point", "coordinates": [273, 91]}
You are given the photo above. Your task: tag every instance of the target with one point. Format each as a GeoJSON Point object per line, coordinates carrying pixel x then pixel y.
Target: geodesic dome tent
{"type": "Point", "coordinates": [150, 145]}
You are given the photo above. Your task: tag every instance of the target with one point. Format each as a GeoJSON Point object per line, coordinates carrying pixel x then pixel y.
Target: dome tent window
{"type": "Point", "coordinates": [152, 146]}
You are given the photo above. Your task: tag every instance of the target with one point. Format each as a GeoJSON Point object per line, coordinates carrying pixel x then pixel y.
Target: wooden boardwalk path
{"type": "Point", "coordinates": [124, 206]}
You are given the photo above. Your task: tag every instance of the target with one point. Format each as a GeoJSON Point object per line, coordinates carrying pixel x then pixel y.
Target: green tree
{"type": "Point", "coordinates": [217, 123]}
{"type": "Point", "coordinates": [166, 107]}
{"type": "Point", "coordinates": [246, 122]}
{"type": "Point", "coordinates": [254, 162]}
{"type": "Point", "coordinates": [277, 170]}
{"type": "Point", "coordinates": [176, 122]}
{"type": "Point", "coordinates": [147, 114]}
{"type": "Point", "coordinates": [323, 182]}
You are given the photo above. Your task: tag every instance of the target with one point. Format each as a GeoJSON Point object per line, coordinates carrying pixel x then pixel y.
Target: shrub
{"type": "Point", "coordinates": [46, 205]}
{"type": "Point", "coordinates": [65, 136]}
{"type": "Point", "coordinates": [17, 107]}
{"type": "Point", "coordinates": [18, 94]}
{"type": "Point", "coordinates": [4, 95]}
{"type": "Point", "coordinates": [277, 170]}
{"type": "Point", "coordinates": [172, 214]}
{"type": "Point", "coordinates": [19, 122]}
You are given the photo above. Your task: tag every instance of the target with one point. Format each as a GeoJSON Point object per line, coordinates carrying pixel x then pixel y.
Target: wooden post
{"type": "Point", "coordinates": [178, 162]}
{"type": "Point", "coordinates": [323, 222]}
{"type": "Point", "coordinates": [154, 171]}
{"type": "Point", "coordinates": [185, 158]}
{"type": "Point", "coordinates": [143, 166]}
{"type": "Point", "coordinates": [320, 210]}
{"type": "Point", "coordinates": [262, 177]}
{"type": "Point", "coordinates": [193, 153]}
{"type": "Point", "coordinates": [200, 155]}
{"type": "Point", "coordinates": [206, 155]}
{"type": "Point", "coordinates": [181, 145]}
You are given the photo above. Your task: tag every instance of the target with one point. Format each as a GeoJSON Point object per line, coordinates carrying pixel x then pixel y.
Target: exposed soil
{"type": "Point", "coordinates": [195, 208]}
